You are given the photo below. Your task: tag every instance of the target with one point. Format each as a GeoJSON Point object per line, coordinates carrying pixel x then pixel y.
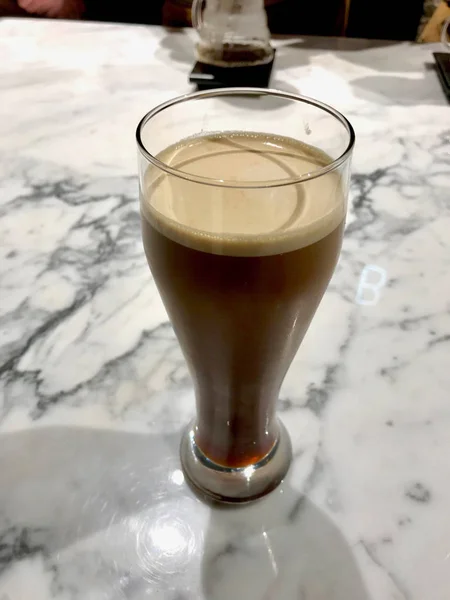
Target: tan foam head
{"type": "Point", "coordinates": [243, 221]}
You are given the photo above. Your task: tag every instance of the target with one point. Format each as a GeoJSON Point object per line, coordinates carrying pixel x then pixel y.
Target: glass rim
{"type": "Point", "coordinates": [245, 91]}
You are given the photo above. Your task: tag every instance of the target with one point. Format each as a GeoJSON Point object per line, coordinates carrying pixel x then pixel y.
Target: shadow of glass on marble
{"type": "Point", "coordinates": [282, 547]}
{"type": "Point", "coordinates": [385, 85]}
{"type": "Point", "coordinates": [400, 91]}
{"type": "Point", "coordinates": [361, 52]}
{"type": "Point", "coordinates": [106, 514]}
{"type": "Point", "coordinates": [177, 46]}
{"type": "Point", "coordinates": [270, 104]}
{"type": "Point", "coordinates": [284, 86]}
{"type": "Point", "coordinates": [335, 43]}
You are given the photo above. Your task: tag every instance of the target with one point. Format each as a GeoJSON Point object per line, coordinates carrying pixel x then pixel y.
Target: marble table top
{"type": "Point", "coordinates": [93, 387]}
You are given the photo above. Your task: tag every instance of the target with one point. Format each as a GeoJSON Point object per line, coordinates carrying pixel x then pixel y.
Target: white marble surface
{"type": "Point", "coordinates": [94, 390]}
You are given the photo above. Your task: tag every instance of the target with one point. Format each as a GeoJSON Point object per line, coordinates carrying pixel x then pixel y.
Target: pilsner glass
{"type": "Point", "coordinates": [243, 197]}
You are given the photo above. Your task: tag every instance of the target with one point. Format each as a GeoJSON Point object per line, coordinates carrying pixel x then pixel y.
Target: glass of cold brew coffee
{"type": "Point", "coordinates": [243, 198]}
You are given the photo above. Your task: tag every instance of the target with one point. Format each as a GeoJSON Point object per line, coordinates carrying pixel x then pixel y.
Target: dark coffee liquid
{"type": "Point", "coordinates": [240, 321]}
{"type": "Point", "coordinates": [240, 302]}
{"type": "Point", "coordinates": [242, 55]}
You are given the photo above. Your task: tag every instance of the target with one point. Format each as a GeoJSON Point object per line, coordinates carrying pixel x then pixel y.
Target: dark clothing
{"type": "Point", "coordinates": [125, 11]}
{"type": "Point", "coordinates": [376, 20]}
{"type": "Point", "coordinates": [317, 17]}
{"type": "Point", "coordinates": [385, 20]}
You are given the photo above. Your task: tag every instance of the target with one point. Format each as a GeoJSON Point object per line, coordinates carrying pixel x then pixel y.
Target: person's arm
{"type": "Point", "coordinates": [58, 9]}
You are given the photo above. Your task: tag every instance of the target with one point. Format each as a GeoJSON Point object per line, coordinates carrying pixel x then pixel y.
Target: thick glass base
{"type": "Point", "coordinates": [228, 484]}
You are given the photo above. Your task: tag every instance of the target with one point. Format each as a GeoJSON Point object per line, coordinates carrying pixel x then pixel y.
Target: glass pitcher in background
{"type": "Point", "coordinates": [445, 34]}
{"type": "Point", "coordinates": [232, 32]}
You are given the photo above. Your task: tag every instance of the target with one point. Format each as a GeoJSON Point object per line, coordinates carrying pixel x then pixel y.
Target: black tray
{"type": "Point", "coordinates": [210, 77]}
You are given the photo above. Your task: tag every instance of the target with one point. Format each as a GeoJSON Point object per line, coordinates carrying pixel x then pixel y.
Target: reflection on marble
{"type": "Point", "coordinates": [93, 387]}
{"type": "Point", "coordinates": [102, 513]}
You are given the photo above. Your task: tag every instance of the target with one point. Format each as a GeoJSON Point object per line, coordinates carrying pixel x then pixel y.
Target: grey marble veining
{"type": "Point", "coordinates": [93, 387]}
